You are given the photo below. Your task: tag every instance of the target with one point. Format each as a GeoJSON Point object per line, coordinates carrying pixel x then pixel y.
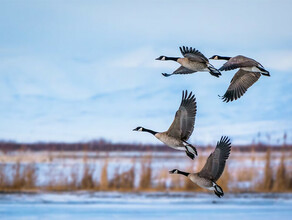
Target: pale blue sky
{"type": "Point", "coordinates": [83, 70]}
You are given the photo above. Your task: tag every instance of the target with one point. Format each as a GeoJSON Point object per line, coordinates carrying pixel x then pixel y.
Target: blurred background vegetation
{"type": "Point", "coordinates": [104, 166]}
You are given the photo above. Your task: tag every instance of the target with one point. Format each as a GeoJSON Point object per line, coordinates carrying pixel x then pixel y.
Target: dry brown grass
{"type": "Point", "coordinates": [244, 174]}
{"type": "Point", "coordinates": [281, 178]}
{"type": "Point", "coordinates": [146, 174]}
{"type": "Point", "coordinates": [268, 181]}
{"type": "Point", "coordinates": [3, 175]}
{"type": "Point", "coordinates": [123, 181]}
{"type": "Point", "coordinates": [128, 179]}
{"type": "Point", "coordinates": [87, 180]}
{"type": "Point", "coordinates": [104, 177]}
{"type": "Point", "coordinates": [23, 176]}
{"type": "Point", "coordinates": [161, 179]}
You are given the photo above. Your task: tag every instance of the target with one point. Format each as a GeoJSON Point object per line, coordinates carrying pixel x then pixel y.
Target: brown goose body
{"type": "Point", "coordinates": [181, 128]}
{"type": "Point", "coordinates": [213, 168]}
{"type": "Point", "coordinates": [191, 62]}
{"type": "Point", "coordinates": [201, 181]}
{"type": "Point", "coordinates": [172, 142]}
{"type": "Point", "coordinates": [249, 72]}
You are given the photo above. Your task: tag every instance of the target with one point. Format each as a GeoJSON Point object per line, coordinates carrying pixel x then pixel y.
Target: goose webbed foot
{"type": "Point", "coordinates": [218, 191]}
{"type": "Point", "coordinates": [194, 149]}
{"type": "Point", "coordinates": [190, 155]}
{"type": "Point", "coordinates": [166, 75]}
{"type": "Point", "coordinates": [190, 148]}
{"type": "Point", "coordinates": [217, 194]}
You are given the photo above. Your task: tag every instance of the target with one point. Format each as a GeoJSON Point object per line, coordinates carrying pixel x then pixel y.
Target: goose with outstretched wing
{"type": "Point", "coordinates": [191, 62]}
{"type": "Point", "coordinates": [181, 128]}
{"type": "Point", "coordinates": [249, 72]}
{"type": "Point", "coordinates": [213, 168]}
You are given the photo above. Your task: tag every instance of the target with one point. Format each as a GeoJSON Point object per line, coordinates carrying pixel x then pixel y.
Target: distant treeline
{"type": "Point", "coordinates": [101, 145]}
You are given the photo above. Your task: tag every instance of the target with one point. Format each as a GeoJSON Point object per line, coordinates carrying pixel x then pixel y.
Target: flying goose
{"type": "Point", "coordinates": [193, 61]}
{"type": "Point", "coordinates": [181, 128]}
{"type": "Point", "coordinates": [213, 168]}
{"type": "Point", "coordinates": [249, 72]}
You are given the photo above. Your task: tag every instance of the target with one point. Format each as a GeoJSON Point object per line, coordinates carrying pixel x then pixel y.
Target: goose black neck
{"type": "Point", "coordinates": [171, 58]}
{"type": "Point", "coordinates": [149, 131]}
{"type": "Point", "coordinates": [223, 58]}
{"type": "Point", "coordinates": [183, 173]}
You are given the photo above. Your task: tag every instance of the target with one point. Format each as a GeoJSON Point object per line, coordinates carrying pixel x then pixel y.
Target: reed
{"type": "Point", "coordinates": [21, 178]}
{"type": "Point", "coordinates": [244, 174]}
{"type": "Point", "coordinates": [268, 180]}
{"type": "Point", "coordinates": [282, 176]}
{"type": "Point", "coordinates": [3, 176]}
{"type": "Point", "coordinates": [140, 175]}
{"type": "Point", "coordinates": [280, 184]}
{"type": "Point", "coordinates": [145, 174]}
{"type": "Point", "coordinates": [115, 182]}
{"type": "Point", "coordinates": [104, 177]}
{"type": "Point", "coordinates": [161, 180]}
{"type": "Point", "coordinates": [87, 179]}
{"type": "Point", "coordinates": [128, 179]}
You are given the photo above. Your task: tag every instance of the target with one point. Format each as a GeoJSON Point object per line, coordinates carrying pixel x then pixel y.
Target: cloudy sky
{"type": "Point", "coordinates": [86, 69]}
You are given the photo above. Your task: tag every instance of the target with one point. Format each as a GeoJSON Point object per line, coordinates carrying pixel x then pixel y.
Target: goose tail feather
{"type": "Point", "coordinates": [213, 71]}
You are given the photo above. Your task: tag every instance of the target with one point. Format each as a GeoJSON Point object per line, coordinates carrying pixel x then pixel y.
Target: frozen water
{"type": "Point", "coordinates": [85, 205]}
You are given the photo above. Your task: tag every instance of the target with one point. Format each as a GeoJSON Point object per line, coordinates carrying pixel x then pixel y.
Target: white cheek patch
{"type": "Point", "coordinates": [140, 129]}
{"type": "Point", "coordinates": [163, 58]}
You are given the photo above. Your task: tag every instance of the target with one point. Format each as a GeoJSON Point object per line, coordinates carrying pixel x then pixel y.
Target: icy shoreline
{"type": "Point", "coordinates": [115, 205]}
{"type": "Point", "coordinates": [85, 196]}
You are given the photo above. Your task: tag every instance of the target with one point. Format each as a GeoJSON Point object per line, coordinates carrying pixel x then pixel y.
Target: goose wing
{"type": "Point", "coordinates": [193, 55]}
{"type": "Point", "coordinates": [183, 70]}
{"type": "Point", "coordinates": [238, 62]}
{"type": "Point", "coordinates": [240, 82]}
{"type": "Point", "coordinates": [215, 164]}
{"type": "Point", "coordinates": [184, 120]}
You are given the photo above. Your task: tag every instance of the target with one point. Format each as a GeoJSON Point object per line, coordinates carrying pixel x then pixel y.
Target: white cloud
{"type": "Point", "coordinates": [280, 60]}
{"type": "Point", "coordinates": [137, 58]}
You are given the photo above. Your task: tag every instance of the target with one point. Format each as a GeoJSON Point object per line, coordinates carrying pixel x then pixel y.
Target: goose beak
{"type": "Point", "coordinates": [170, 172]}
{"type": "Point", "coordinates": [135, 129]}
{"type": "Point", "coordinates": [158, 58]}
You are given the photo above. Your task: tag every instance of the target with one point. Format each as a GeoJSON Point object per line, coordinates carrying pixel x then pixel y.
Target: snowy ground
{"type": "Point", "coordinates": [85, 205]}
